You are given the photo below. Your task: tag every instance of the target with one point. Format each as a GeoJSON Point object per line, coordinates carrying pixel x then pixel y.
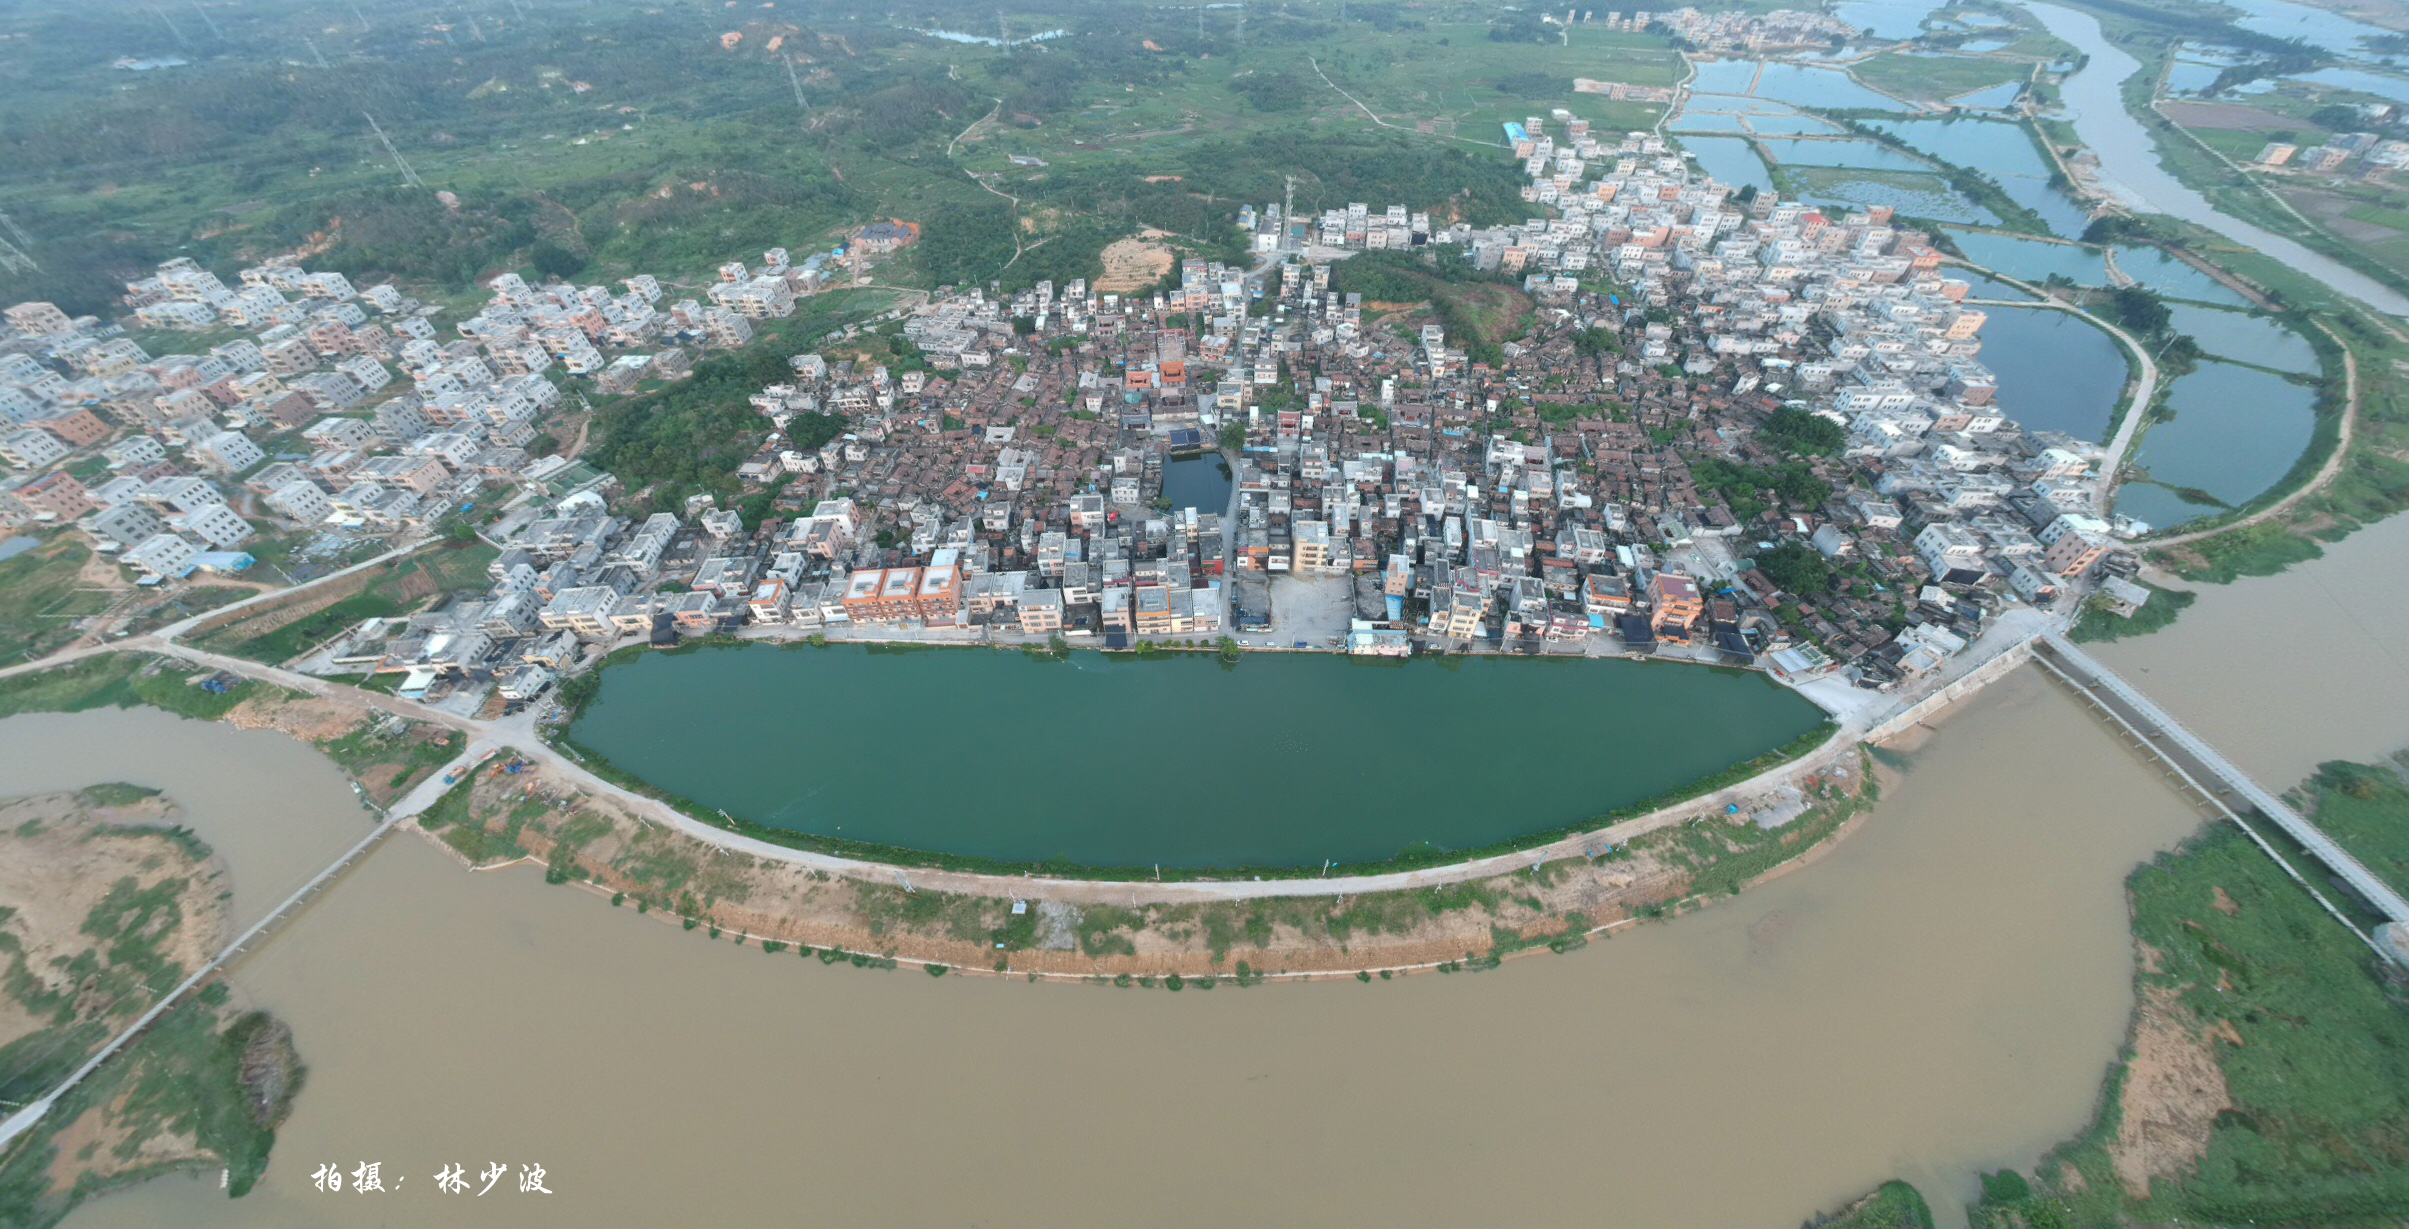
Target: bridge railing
{"type": "Point", "coordinates": [2349, 869]}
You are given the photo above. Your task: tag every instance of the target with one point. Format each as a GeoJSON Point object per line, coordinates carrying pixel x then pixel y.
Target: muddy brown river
{"type": "Point", "coordinates": [1939, 994]}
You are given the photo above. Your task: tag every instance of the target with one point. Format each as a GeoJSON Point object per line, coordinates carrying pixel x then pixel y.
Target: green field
{"type": "Point", "coordinates": [605, 139]}
{"type": "Point", "coordinates": [41, 597]}
{"type": "Point", "coordinates": [1931, 78]}
{"type": "Point", "coordinates": [408, 585]}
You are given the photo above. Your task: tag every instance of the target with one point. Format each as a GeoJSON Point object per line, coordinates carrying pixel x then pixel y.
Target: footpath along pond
{"type": "Point", "coordinates": [1117, 761]}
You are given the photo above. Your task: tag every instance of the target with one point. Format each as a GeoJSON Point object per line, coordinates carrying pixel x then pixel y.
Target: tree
{"type": "Point", "coordinates": [1589, 343]}
{"type": "Point", "coordinates": [1273, 90]}
{"type": "Point", "coordinates": [1803, 433]}
{"type": "Point", "coordinates": [2138, 309]}
{"type": "Point", "coordinates": [1798, 568]}
{"type": "Point", "coordinates": [554, 261]}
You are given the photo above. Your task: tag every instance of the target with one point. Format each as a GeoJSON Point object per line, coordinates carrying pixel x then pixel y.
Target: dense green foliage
{"type": "Point", "coordinates": [2099, 623]}
{"type": "Point", "coordinates": [967, 244]}
{"type": "Point", "coordinates": [1798, 568]}
{"type": "Point", "coordinates": [1802, 433]}
{"type": "Point", "coordinates": [1793, 484]}
{"type": "Point", "coordinates": [692, 435]}
{"type": "Point", "coordinates": [974, 244]}
{"type": "Point", "coordinates": [1272, 91]}
{"type": "Point", "coordinates": [2315, 1054]}
{"type": "Point", "coordinates": [1594, 343]}
{"type": "Point", "coordinates": [1477, 309]}
{"type": "Point", "coordinates": [2139, 310]}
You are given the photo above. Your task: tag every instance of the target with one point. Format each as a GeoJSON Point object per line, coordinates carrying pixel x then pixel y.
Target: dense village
{"type": "Point", "coordinates": [1729, 428]}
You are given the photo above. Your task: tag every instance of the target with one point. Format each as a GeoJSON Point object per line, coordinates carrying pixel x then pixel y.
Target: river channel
{"type": "Point", "coordinates": [2130, 169]}
{"type": "Point", "coordinates": [1286, 759]}
{"type": "Point", "coordinates": [1939, 994]}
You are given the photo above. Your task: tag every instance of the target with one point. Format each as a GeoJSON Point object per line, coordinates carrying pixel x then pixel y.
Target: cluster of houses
{"type": "Point", "coordinates": [1779, 30]}
{"type": "Point", "coordinates": [1010, 476]}
{"type": "Point", "coordinates": [335, 410]}
{"type": "Point", "coordinates": [2344, 152]}
{"type": "Point", "coordinates": [1004, 464]}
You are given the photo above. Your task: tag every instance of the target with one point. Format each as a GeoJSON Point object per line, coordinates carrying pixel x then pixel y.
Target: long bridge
{"type": "Point", "coordinates": [2215, 778]}
{"type": "Point", "coordinates": [418, 800]}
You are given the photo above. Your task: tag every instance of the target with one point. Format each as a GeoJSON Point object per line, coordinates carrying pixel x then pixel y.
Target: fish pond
{"type": "Point", "coordinates": [1280, 760]}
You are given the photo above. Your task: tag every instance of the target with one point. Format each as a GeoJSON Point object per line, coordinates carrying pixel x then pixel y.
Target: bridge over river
{"type": "Point", "coordinates": [2226, 787]}
{"type": "Point", "coordinates": [417, 800]}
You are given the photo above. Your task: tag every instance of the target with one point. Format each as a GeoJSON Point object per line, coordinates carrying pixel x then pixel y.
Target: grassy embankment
{"type": "Point", "coordinates": [41, 597]}
{"type": "Point", "coordinates": [1932, 78]}
{"type": "Point", "coordinates": [1469, 925]}
{"type": "Point", "coordinates": [1893, 1205]}
{"type": "Point", "coordinates": [2098, 623]}
{"type": "Point", "coordinates": [123, 680]}
{"type": "Point", "coordinates": [2266, 1077]}
{"type": "Point", "coordinates": [2372, 483]}
{"type": "Point", "coordinates": [386, 755]}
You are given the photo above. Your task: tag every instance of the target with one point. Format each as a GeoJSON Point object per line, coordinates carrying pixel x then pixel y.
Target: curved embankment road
{"type": "Point", "coordinates": [2334, 460]}
{"type": "Point", "coordinates": [2145, 389]}
{"type": "Point", "coordinates": [1858, 713]}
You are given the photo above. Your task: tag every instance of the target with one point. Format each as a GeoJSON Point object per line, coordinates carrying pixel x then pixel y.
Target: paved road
{"type": "Point", "coordinates": [1860, 711]}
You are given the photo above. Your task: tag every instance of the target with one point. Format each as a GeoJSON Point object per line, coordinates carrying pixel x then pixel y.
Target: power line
{"type": "Point", "coordinates": [796, 82]}
{"type": "Point", "coordinates": [409, 176]}
{"type": "Point", "coordinates": [165, 20]}
{"type": "Point", "coordinates": [13, 257]}
{"type": "Point", "coordinates": [315, 54]}
{"type": "Point", "coordinates": [208, 21]}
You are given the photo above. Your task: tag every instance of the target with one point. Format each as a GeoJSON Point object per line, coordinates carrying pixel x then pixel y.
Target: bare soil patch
{"type": "Point", "coordinates": [2226, 117]}
{"type": "Point", "coordinates": [1133, 263]}
{"type": "Point", "coordinates": [312, 719]}
{"type": "Point", "coordinates": [59, 859]}
{"type": "Point", "coordinates": [2172, 1094]}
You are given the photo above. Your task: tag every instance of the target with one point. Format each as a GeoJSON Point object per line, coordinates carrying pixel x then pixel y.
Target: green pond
{"type": "Point", "coordinates": [1118, 761]}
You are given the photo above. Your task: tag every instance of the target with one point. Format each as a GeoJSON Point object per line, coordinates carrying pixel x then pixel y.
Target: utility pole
{"type": "Point", "coordinates": [409, 176]}
{"type": "Point", "coordinates": [796, 82]}
{"type": "Point", "coordinates": [474, 29]}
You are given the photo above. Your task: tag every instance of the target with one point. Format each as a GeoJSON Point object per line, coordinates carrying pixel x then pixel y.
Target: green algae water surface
{"type": "Point", "coordinates": [1120, 761]}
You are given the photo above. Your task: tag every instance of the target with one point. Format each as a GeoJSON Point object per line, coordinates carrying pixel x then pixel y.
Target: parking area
{"type": "Point", "coordinates": [1313, 609]}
